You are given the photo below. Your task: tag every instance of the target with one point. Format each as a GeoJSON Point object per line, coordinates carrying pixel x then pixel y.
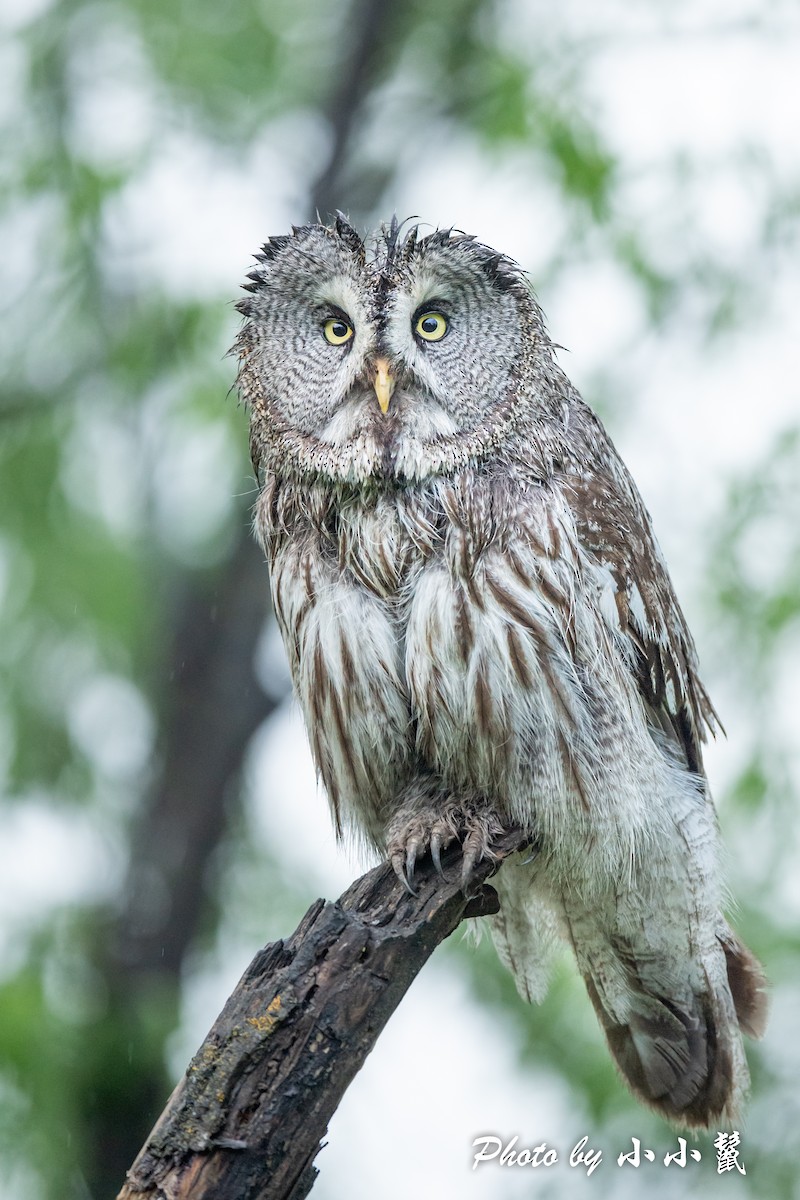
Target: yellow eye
{"type": "Point", "coordinates": [337, 331]}
{"type": "Point", "coordinates": [431, 326]}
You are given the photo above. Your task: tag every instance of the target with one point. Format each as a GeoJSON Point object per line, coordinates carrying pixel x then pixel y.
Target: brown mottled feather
{"type": "Point", "coordinates": [482, 632]}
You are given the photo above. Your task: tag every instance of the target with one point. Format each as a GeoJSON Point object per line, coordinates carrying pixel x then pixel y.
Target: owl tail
{"type": "Point", "coordinates": [674, 1025]}
{"type": "Point", "coordinates": [673, 999]}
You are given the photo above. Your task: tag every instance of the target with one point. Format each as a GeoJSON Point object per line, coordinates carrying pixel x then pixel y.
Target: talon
{"type": "Point", "coordinates": [472, 854]}
{"type": "Point", "coordinates": [466, 872]}
{"type": "Point", "coordinates": [398, 866]}
{"type": "Point", "coordinates": [436, 852]}
{"type": "Point", "coordinates": [411, 858]}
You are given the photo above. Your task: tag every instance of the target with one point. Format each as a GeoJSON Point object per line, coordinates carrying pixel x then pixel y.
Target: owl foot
{"type": "Point", "coordinates": [414, 831]}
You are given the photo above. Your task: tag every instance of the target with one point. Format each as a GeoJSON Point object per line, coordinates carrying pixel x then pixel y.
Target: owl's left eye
{"type": "Point", "coordinates": [431, 326]}
{"type": "Point", "coordinates": [337, 331]}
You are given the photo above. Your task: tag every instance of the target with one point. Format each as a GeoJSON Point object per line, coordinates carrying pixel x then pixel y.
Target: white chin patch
{"type": "Point", "coordinates": [430, 421]}
{"type": "Point", "coordinates": [413, 457]}
{"type": "Point", "coordinates": [416, 420]}
{"type": "Point", "coordinates": [350, 421]}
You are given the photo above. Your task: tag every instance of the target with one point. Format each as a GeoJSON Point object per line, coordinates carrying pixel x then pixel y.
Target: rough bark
{"type": "Point", "coordinates": [247, 1120]}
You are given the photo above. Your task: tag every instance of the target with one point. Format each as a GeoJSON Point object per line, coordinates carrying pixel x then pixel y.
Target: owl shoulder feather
{"type": "Point", "coordinates": [615, 534]}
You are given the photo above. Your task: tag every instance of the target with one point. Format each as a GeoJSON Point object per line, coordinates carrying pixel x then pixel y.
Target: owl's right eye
{"type": "Point", "coordinates": [337, 331]}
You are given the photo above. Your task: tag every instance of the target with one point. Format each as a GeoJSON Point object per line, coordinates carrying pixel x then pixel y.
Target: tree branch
{"type": "Point", "coordinates": [247, 1119]}
{"type": "Point", "coordinates": [214, 705]}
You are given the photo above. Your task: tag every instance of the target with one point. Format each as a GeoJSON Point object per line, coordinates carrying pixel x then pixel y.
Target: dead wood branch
{"type": "Point", "coordinates": [247, 1119]}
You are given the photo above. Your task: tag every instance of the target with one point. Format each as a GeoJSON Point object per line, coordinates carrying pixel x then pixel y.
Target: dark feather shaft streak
{"type": "Point", "coordinates": [481, 631]}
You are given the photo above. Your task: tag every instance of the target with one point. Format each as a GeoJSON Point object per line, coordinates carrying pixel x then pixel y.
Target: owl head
{"type": "Point", "coordinates": [383, 362]}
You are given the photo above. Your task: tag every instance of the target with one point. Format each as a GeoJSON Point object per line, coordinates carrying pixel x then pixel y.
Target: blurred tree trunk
{"type": "Point", "coordinates": [213, 707]}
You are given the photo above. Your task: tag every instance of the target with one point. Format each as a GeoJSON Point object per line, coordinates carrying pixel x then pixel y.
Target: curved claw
{"type": "Point", "coordinates": [472, 855]}
{"type": "Point", "coordinates": [398, 866]}
{"type": "Point", "coordinates": [436, 852]}
{"type": "Point", "coordinates": [411, 858]}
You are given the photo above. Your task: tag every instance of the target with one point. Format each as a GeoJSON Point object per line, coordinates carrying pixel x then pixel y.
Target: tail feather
{"type": "Point", "coordinates": [663, 1054]}
{"type": "Point", "coordinates": [685, 1063]}
{"type": "Point", "coordinates": [673, 1008]}
{"type": "Point", "coordinates": [681, 1053]}
{"type": "Point", "coordinates": [747, 983]}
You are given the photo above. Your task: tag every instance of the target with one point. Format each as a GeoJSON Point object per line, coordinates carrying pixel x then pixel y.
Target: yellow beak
{"type": "Point", "coordinates": [383, 383]}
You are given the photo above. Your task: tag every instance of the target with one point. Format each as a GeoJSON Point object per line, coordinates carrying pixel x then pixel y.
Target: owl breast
{"type": "Point", "coordinates": [429, 638]}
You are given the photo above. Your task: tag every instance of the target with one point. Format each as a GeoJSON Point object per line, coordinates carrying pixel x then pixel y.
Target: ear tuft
{"type": "Point", "coordinates": [273, 247]}
{"type": "Point", "coordinates": [344, 230]}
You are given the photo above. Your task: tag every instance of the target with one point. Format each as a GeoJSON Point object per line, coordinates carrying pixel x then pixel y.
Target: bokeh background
{"type": "Point", "coordinates": [160, 819]}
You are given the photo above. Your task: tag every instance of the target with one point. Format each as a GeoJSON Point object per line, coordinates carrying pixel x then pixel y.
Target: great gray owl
{"type": "Point", "coordinates": [482, 632]}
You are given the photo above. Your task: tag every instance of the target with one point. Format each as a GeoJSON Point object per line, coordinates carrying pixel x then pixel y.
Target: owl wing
{"type": "Point", "coordinates": [615, 533]}
{"type": "Point", "coordinates": [681, 1054]}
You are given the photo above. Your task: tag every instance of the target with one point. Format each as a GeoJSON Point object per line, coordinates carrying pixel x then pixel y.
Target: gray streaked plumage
{"type": "Point", "coordinates": [482, 632]}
